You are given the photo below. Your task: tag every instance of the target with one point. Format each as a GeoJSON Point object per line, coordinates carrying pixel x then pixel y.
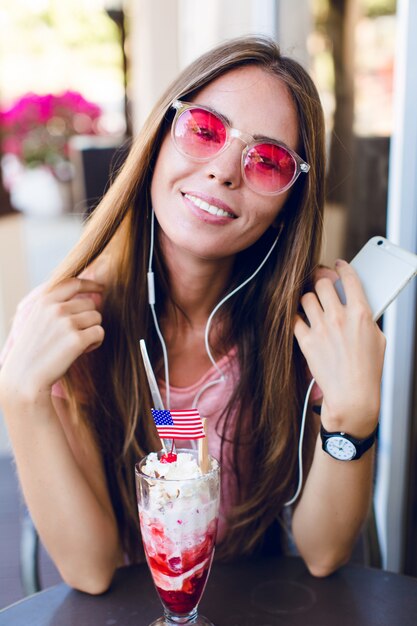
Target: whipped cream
{"type": "Point", "coordinates": [178, 490]}
{"type": "Point", "coordinates": [184, 468]}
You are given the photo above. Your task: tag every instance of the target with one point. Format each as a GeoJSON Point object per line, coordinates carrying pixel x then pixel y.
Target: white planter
{"type": "Point", "coordinates": [37, 192]}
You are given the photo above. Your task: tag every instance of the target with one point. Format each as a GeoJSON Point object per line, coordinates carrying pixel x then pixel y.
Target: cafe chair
{"type": "Point", "coordinates": [29, 557]}
{"type": "Point", "coordinates": [96, 160]}
{"type": "Point", "coordinates": [371, 547]}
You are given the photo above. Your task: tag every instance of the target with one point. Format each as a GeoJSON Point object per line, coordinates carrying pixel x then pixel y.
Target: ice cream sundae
{"type": "Point", "coordinates": [178, 512]}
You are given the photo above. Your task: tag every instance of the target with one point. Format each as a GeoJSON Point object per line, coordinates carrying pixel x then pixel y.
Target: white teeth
{"type": "Point", "coordinates": [209, 208]}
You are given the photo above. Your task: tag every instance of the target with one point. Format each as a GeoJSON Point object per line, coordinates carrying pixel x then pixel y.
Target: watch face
{"type": "Point", "coordinates": [340, 448]}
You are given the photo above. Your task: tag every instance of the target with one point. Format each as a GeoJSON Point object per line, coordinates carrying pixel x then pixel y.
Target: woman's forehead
{"type": "Point", "coordinates": [254, 101]}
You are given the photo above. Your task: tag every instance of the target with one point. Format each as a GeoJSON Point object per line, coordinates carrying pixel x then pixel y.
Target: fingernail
{"type": "Point", "coordinates": [339, 262]}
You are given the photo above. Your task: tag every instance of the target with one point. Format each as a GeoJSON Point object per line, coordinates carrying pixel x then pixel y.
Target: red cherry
{"type": "Point", "coordinates": [171, 457]}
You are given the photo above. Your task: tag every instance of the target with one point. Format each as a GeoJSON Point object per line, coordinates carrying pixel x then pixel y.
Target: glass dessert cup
{"type": "Point", "coordinates": [178, 520]}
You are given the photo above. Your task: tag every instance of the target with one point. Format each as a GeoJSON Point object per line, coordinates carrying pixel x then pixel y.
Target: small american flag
{"type": "Point", "coordinates": [185, 424]}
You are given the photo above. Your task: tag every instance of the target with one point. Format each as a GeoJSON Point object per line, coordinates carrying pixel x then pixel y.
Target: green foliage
{"type": "Point", "coordinates": [369, 8]}
{"type": "Point", "coordinates": [50, 45]}
{"type": "Point", "coordinates": [375, 8]}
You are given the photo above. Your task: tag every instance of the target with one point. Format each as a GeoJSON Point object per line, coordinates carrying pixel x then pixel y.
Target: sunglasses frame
{"type": "Point", "coordinates": [250, 142]}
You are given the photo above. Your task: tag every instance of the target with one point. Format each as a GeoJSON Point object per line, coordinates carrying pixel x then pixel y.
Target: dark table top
{"type": "Point", "coordinates": [264, 592]}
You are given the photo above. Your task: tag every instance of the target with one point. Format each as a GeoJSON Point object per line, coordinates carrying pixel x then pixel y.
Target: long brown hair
{"type": "Point", "coordinates": [116, 401]}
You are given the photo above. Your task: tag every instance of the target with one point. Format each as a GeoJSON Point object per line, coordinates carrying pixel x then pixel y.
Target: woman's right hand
{"type": "Point", "coordinates": [64, 323]}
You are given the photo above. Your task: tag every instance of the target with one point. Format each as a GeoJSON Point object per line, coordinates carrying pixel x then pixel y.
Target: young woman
{"type": "Point", "coordinates": [223, 184]}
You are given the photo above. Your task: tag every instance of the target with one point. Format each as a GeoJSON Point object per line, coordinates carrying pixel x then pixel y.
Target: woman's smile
{"type": "Point", "coordinates": [214, 211]}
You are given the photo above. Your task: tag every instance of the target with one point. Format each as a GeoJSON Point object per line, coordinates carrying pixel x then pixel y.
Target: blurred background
{"type": "Point", "coordinates": [77, 80]}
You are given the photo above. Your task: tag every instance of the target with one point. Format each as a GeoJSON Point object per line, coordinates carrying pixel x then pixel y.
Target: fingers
{"type": "Point", "coordinates": [327, 294]}
{"type": "Point", "coordinates": [92, 338]}
{"type": "Point", "coordinates": [72, 287]}
{"type": "Point", "coordinates": [311, 307]}
{"type": "Point", "coordinates": [86, 319]}
{"type": "Point", "coordinates": [75, 302]}
{"type": "Point", "coordinates": [84, 332]}
{"type": "Point", "coordinates": [77, 305]}
{"type": "Point", "coordinates": [352, 286]}
{"type": "Point", "coordinates": [325, 303]}
{"type": "Point", "coordinates": [326, 298]}
{"type": "Point", "coordinates": [322, 271]}
{"type": "Point", "coordinates": [301, 329]}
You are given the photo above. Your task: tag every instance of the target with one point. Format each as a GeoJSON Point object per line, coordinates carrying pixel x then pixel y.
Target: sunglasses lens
{"type": "Point", "coordinates": [199, 133]}
{"type": "Point", "coordinates": [269, 168]}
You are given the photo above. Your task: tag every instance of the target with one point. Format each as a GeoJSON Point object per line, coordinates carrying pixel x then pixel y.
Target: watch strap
{"type": "Point", "coordinates": [361, 445]}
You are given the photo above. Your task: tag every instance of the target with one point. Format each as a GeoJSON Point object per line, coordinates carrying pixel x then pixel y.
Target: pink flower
{"type": "Point", "coordinates": [37, 127]}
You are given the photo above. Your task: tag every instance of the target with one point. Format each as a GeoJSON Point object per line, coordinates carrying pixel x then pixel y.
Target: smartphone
{"type": "Point", "coordinates": [384, 270]}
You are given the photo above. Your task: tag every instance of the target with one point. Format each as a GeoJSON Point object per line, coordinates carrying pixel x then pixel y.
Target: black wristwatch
{"type": "Point", "coordinates": [344, 447]}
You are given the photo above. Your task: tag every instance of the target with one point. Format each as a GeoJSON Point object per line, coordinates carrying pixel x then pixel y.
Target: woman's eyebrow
{"type": "Point", "coordinates": [265, 138]}
{"type": "Point", "coordinates": [256, 137]}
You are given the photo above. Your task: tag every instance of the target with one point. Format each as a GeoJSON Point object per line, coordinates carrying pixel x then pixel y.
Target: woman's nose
{"type": "Point", "coordinates": [226, 167]}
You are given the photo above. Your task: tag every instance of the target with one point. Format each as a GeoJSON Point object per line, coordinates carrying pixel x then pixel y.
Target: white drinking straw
{"type": "Point", "coordinates": [167, 444]}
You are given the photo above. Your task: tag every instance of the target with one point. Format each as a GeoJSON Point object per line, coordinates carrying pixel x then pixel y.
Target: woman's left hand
{"type": "Point", "coordinates": [344, 349]}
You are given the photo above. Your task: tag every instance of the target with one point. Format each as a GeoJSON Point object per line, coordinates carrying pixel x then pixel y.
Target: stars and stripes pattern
{"type": "Point", "coordinates": [186, 424]}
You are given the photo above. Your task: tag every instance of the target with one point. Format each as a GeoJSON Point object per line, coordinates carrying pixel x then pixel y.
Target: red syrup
{"type": "Point", "coordinates": [185, 599]}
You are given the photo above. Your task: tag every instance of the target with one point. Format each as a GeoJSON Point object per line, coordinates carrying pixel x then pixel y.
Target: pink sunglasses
{"type": "Point", "coordinates": [268, 167]}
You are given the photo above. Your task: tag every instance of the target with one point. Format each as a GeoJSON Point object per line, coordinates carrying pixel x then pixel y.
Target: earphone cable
{"type": "Point", "coordinates": [151, 299]}
{"type": "Point", "coordinates": [300, 446]}
{"type": "Point", "coordinates": [210, 319]}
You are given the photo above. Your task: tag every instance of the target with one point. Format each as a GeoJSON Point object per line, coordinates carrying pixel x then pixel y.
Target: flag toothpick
{"type": "Point", "coordinates": [203, 459]}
